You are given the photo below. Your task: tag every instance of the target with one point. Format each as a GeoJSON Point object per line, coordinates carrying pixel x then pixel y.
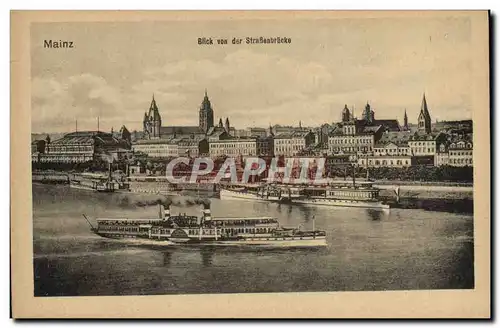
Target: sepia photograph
{"type": "Point", "coordinates": [197, 154]}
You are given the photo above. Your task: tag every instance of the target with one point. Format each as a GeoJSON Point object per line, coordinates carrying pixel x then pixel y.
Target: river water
{"type": "Point", "coordinates": [404, 249]}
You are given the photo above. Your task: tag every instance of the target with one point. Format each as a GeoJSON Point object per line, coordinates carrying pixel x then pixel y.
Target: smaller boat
{"type": "Point", "coordinates": [100, 182]}
{"type": "Point", "coordinates": [339, 193]}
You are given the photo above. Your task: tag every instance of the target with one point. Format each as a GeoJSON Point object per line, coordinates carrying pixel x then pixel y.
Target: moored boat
{"type": "Point", "coordinates": [100, 182]}
{"type": "Point", "coordinates": [332, 193]}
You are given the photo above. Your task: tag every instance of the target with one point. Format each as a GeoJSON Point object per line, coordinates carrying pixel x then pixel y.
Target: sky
{"type": "Point", "coordinates": [115, 68]}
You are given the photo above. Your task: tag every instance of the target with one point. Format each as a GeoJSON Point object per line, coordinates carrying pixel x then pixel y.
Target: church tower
{"type": "Point", "coordinates": [227, 126]}
{"type": "Point", "coordinates": [152, 121]}
{"type": "Point", "coordinates": [346, 114]}
{"type": "Point", "coordinates": [424, 118]}
{"type": "Point", "coordinates": [367, 114]}
{"type": "Point", "coordinates": [206, 114]}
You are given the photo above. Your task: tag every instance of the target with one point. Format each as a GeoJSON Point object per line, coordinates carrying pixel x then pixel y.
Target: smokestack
{"type": "Point", "coordinates": [166, 210]}
{"type": "Point", "coordinates": [160, 210]}
{"type": "Point", "coordinates": [207, 214]}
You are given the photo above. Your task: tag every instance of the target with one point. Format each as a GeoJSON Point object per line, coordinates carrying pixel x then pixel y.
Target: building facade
{"type": "Point", "coordinates": [386, 161]}
{"type": "Point", "coordinates": [391, 149]}
{"type": "Point", "coordinates": [158, 148]}
{"type": "Point", "coordinates": [442, 156]}
{"type": "Point", "coordinates": [190, 147]}
{"type": "Point", "coordinates": [81, 147]}
{"type": "Point", "coordinates": [392, 144]}
{"type": "Point", "coordinates": [175, 147]}
{"type": "Point", "coordinates": [425, 144]}
{"type": "Point", "coordinates": [291, 144]}
{"type": "Point", "coordinates": [461, 153]}
{"type": "Point", "coordinates": [353, 137]}
{"type": "Point", "coordinates": [265, 146]}
{"type": "Point", "coordinates": [233, 147]}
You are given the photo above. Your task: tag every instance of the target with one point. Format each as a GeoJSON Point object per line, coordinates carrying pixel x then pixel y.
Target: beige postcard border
{"type": "Point", "coordinates": [401, 304]}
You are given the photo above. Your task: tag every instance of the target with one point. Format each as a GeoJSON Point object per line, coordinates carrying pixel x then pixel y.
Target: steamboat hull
{"type": "Point", "coordinates": [89, 188]}
{"type": "Point", "coordinates": [257, 242]}
{"type": "Point", "coordinates": [341, 203]}
{"type": "Point", "coordinates": [136, 240]}
{"type": "Point", "coordinates": [228, 194]}
{"type": "Point", "coordinates": [278, 243]}
{"type": "Point", "coordinates": [81, 187]}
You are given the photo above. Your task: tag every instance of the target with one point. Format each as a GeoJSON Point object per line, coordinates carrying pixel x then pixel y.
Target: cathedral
{"type": "Point", "coordinates": [368, 119]}
{"type": "Point", "coordinates": [153, 129]}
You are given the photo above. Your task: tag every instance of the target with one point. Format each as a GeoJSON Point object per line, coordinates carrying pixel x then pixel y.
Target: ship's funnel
{"type": "Point", "coordinates": [207, 214]}
{"type": "Point", "coordinates": [166, 211]}
{"type": "Point", "coordinates": [160, 211]}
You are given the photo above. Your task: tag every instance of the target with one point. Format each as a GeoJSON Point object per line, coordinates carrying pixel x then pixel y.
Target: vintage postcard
{"type": "Point", "coordinates": [235, 164]}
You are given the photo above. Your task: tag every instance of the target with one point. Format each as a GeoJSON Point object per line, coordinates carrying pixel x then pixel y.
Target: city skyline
{"type": "Point", "coordinates": [389, 63]}
{"type": "Point", "coordinates": [358, 114]}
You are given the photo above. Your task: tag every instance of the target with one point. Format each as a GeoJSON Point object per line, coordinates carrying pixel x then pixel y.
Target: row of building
{"type": "Point", "coordinates": [83, 146]}
{"type": "Point", "coordinates": [368, 141]}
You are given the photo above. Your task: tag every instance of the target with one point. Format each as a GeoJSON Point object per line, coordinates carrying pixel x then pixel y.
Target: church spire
{"type": "Point", "coordinates": [424, 106]}
{"type": "Point", "coordinates": [153, 106]}
{"type": "Point", "coordinates": [152, 120]}
{"type": "Point", "coordinates": [405, 120]}
{"type": "Point", "coordinates": [424, 118]}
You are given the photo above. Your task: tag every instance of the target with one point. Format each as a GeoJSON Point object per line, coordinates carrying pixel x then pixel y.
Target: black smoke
{"type": "Point", "coordinates": [147, 200]}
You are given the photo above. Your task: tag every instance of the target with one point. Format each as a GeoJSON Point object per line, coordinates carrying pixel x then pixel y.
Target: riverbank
{"type": "Point", "coordinates": [427, 192]}
{"type": "Point", "coordinates": [424, 183]}
{"type": "Point", "coordinates": [407, 189]}
{"type": "Point", "coordinates": [50, 177]}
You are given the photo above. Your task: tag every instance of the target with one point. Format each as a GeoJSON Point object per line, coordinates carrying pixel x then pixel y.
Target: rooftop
{"type": "Point", "coordinates": [239, 139]}
{"type": "Point", "coordinates": [425, 137]}
{"type": "Point", "coordinates": [181, 141]}
{"type": "Point", "coordinates": [397, 138]}
{"type": "Point", "coordinates": [88, 137]}
{"type": "Point", "coordinates": [180, 130]}
{"type": "Point", "coordinates": [292, 135]}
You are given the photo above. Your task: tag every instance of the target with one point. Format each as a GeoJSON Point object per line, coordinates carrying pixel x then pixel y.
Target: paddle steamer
{"type": "Point", "coordinates": [208, 230]}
